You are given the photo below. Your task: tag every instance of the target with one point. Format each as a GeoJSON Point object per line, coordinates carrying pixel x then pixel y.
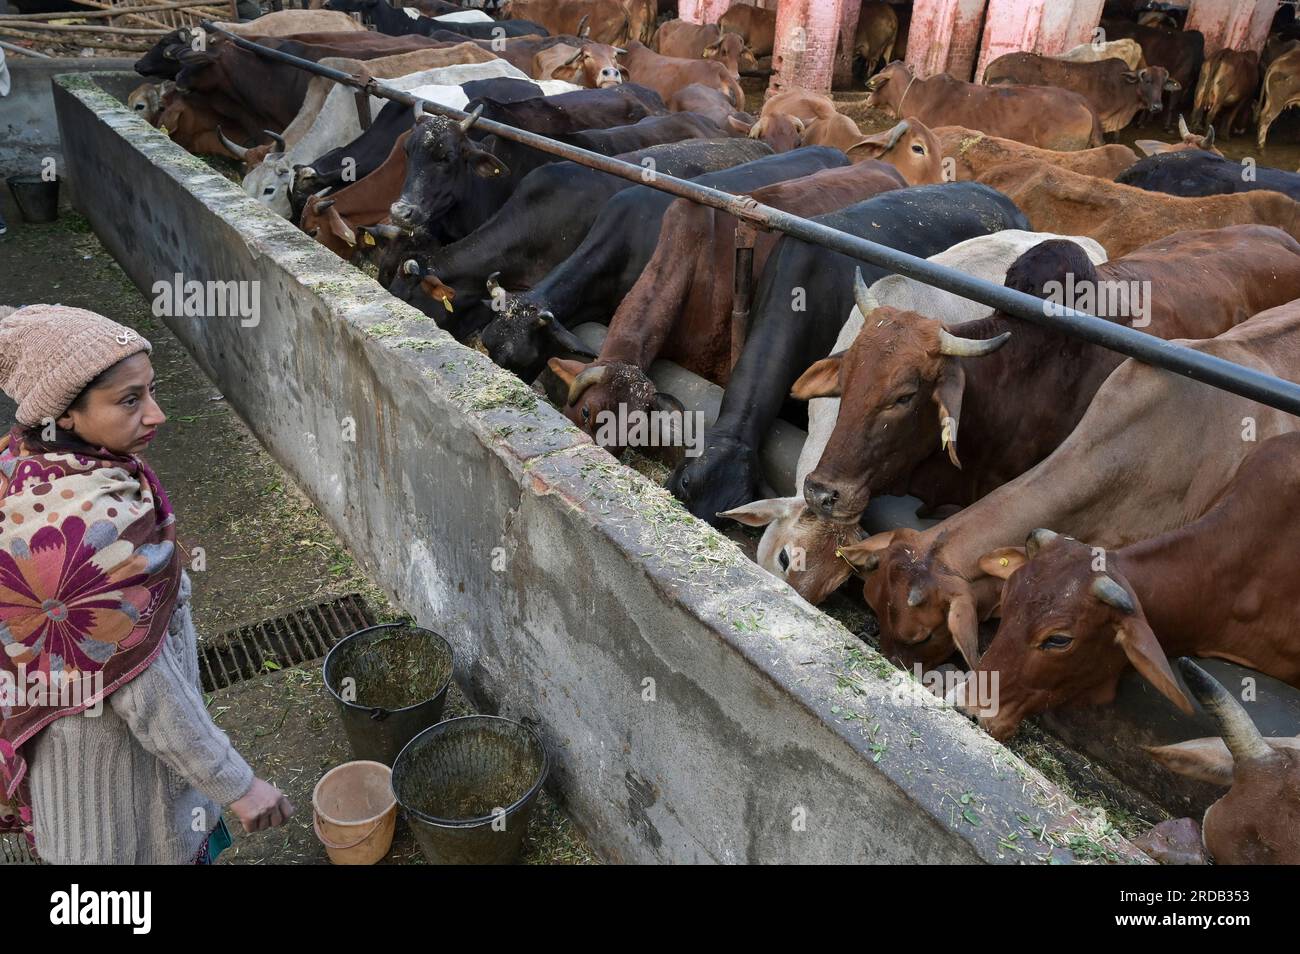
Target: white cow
{"type": "Point", "coordinates": [794, 535]}
{"type": "Point", "coordinates": [1127, 50]}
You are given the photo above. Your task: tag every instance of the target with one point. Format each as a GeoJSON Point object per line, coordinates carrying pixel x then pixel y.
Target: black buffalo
{"type": "Point", "coordinates": [394, 22]}
{"type": "Point", "coordinates": [1194, 172]}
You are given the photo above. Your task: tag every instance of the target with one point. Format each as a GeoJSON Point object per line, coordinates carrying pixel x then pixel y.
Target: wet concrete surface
{"type": "Point", "coordinates": [266, 549]}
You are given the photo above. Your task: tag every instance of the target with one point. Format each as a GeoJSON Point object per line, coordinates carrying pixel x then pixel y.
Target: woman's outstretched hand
{"type": "Point", "coordinates": [263, 807]}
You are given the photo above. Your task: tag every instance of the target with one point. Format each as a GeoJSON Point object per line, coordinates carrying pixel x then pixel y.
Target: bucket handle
{"type": "Point", "coordinates": [379, 714]}
{"type": "Point", "coordinates": [315, 824]}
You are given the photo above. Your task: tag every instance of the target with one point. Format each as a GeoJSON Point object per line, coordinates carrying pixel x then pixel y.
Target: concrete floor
{"type": "Point", "coordinates": [267, 548]}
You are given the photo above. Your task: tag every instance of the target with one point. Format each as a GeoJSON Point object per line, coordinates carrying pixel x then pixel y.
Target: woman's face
{"type": "Point", "coordinates": [120, 413]}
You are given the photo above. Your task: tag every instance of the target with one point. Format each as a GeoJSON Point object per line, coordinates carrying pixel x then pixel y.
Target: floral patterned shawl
{"type": "Point", "coordinates": [89, 572]}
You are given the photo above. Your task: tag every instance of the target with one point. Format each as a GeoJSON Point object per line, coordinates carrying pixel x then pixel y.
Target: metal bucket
{"type": "Point", "coordinates": [468, 786]}
{"type": "Point", "coordinates": [390, 682]}
{"type": "Point", "coordinates": [38, 200]}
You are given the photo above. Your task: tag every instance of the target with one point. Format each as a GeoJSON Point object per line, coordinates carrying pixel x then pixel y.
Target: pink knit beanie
{"type": "Point", "coordinates": [49, 353]}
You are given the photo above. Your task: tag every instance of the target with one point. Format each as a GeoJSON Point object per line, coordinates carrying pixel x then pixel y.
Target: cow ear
{"type": "Point", "coordinates": [566, 369]}
{"type": "Point", "coordinates": [1131, 77]}
{"type": "Point", "coordinates": [487, 165]}
{"type": "Point", "coordinates": [1143, 651]}
{"type": "Point", "coordinates": [340, 228]}
{"type": "Point", "coordinates": [1151, 147]}
{"type": "Point", "coordinates": [964, 625]}
{"type": "Point", "coordinates": [948, 391]}
{"type": "Point", "coordinates": [1207, 760]}
{"type": "Point", "coordinates": [1173, 85]}
{"type": "Point", "coordinates": [736, 124]}
{"type": "Point", "coordinates": [567, 341]}
{"type": "Point", "coordinates": [865, 554]}
{"type": "Point", "coordinates": [821, 380]}
{"type": "Point", "coordinates": [762, 512]}
{"type": "Point", "coordinates": [1004, 561]}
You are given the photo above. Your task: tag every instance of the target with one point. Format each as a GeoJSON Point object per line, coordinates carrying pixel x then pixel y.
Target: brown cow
{"type": "Point", "coordinates": [193, 126]}
{"type": "Point", "coordinates": [874, 38]}
{"type": "Point", "coordinates": [333, 220]}
{"type": "Point", "coordinates": [1152, 453]}
{"type": "Point", "coordinates": [681, 306]}
{"type": "Point", "coordinates": [920, 159]}
{"type": "Point", "coordinates": [713, 103]}
{"type": "Point", "coordinates": [146, 100]}
{"type": "Point", "coordinates": [594, 65]}
{"type": "Point", "coordinates": [698, 41]}
{"type": "Point", "coordinates": [1188, 140]}
{"type": "Point", "coordinates": [667, 74]}
{"type": "Point", "coordinates": [1075, 616]}
{"type": "Point", "coordinates": [1281, 91]}
{"type": "Point", "coordinates": [988, 377]}
{"type": "Point", "coordinates": [1227, 86]}
{"type": "Point", "coordinates": [1121, 217]}
{"type": "Point", "coordinates": [1036, 115]}
{"type": "Point", "coordinates": [606, 21]}
{"type": "Point", "coordinates": [801, 103]}
{"type": "Point", "coordinates": [1258, 820]}
{"type": "Point", "coordinates": [973, 154]}
{"type": "Point", "coordinates": [1116, 92]}
{"type": "Point", "coordinates": [756, 25]}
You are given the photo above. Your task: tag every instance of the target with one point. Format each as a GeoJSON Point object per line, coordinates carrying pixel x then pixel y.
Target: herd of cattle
{"type": "Point", "coordinates": [1170, 525]}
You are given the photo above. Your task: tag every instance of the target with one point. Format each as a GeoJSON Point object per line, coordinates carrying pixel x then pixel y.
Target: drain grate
{"type": "Point", "coordinates": [14, 850]}
{"type": "Point", "coordinates": [299, 636]}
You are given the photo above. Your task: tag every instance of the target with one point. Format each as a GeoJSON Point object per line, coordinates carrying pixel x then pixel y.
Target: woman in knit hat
{"type": "Point", "coordinates": [107, 751]}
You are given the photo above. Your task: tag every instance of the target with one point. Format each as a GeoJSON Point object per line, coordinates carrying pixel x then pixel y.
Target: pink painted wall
{"type": "Point", "coordinates": [1236, 24]}
{"type": "Point", "coordinates": [703, 11]}
{"type": "Point", "coordinates": [806, 32]}
{"type": "Point", "coordinates": [843, 70]}
{"type": "Point", "coordinates": [945, 36]}
{"type": "Point", "coordinates": [1036, 26]}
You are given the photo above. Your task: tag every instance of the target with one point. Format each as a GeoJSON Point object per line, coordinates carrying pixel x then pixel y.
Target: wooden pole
{"type": "Point", "coordinates": [78, 28]}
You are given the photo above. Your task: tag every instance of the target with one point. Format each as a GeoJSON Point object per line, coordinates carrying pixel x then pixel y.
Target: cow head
{"type": "Point", "coordinates": [602, 391]}
{"type": "Point", "coordinates": [418, 284]}
{"type": "Point", "coordinates": [322, 221]}
{"type": "Point", "coordinates": [440, 159]}
{"type": "Point", "coordinates": [798, 546]}
{"type": "Point", "coordinates": [886, 89]}
{"type": "Point", "coordinates": [1187, 140]}
{"type": "Point", "coordinates": [523, 335]}
{"type": "Point", "coordinates": [926, 609]}
{"type": "Point", "coordinates": [723, 477]}
{"type": "Point", "coordinates": [910, 147]}
{"type": "Point", "coordinates": [163, 58]}
{"type": "Point", "coordinates": [1258, 820]}
{"type": "Point", "coordinates": [732, 52]}
{"type": "Point", "coordinates": [783, 133]}
{"type": "Point", "coordinates": [146, 100]}
{"type": "Point", "coordinates": [594, 65]}
{"type": "Point", "coordinates": [1152, 83]}
{"type": "Point", "coordinates": [1068, 631]}
{"type": "Point", "coordinates": [900, 386]}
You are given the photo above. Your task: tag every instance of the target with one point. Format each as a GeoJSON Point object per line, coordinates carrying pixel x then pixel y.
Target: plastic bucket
{"type": "Point", "coordinates": [354, 812]}
{"type": "Point", "coordinates": [38, 200]}
{"type": "Point", "coordinates": [468, 786]}
{"type": "Point", "coordinates": [389, 682]}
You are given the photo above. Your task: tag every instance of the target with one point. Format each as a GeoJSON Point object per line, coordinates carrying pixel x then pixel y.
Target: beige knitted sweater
{"type": "Point", "coordinates": [142, 782]}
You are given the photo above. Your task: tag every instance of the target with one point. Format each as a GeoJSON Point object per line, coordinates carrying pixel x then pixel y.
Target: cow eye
{"type": "Point", "coordinates": [1056, 641]}
{"type": "Point", "coordinates": [268, 190]}
{"type": "Point", "coordinates": [918, 149]}
{"type": "Point", "coordinates": [784, 560]}
{"type": "Point", "coordinates": [586, 414]}
{"type": "Point", "coordinates": [905, 399]}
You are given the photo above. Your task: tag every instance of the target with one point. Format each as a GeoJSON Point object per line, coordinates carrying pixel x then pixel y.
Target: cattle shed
{"type": "Point", "coordinates": [814, 38]}
{"type": "Point", "coordinates": [694, 708]}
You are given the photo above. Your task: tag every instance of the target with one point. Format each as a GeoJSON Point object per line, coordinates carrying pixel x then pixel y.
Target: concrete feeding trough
{"type": "Point", "coordinates": [694, 709]}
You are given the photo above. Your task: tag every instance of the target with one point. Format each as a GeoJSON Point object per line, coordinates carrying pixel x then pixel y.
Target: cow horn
{"type": "Point", "coordinates": [279, 140]}
{"type": "Point", "coordinates": [384, 231]}
{"type": "Point", "coordinates": [419, 110]}
{"type": "Point", "coordinates": [1207, 141]}
{"type": "Point", "coordinates": [239, 151]}
{"type": "Point", "coordinates": [306, 172]}
{"type": "Point", "coordinates": [322, 192]}
{"type": "Point", "coordinates": [585, 379]}
{"type": "Point", "coordinates": [915, 596]}
{"type": "Point", "coordinates": [471, 119]}
{"type": "Point", "coordinates": [492, 286]}
{"type": "Point", "coordinates": [896, 134]}
{"type": "Point", "coordinates": [1112, 594]}
{"type": "Point", "coordinates": [1036, 540]}
{"type": "Point", "coordinates": [970, 347]}
{"type": "Point", "coordinates": [1182, 127]}
{"type": "Point", "coordinates": [574, 58]}
{"type": "Point", "coordinates": [544, 318]}
{"type": "Point", "coordinates": [861, 296]}
{"type": "Point", "coordinates": [411, 267]}
{"type": "Point", "coordinates": [1238, 731]}
{"type": "Point", "coordinates": [584, 28]}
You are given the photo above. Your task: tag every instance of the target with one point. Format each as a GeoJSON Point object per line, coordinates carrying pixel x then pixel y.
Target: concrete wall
{"type": "Point", "coordinates": [806, 36]}
{"type": "Point", "coordinates": [1237, 24]}
{"type": "Point", "coordinates": [1036, 26]}
{"type": "Point", "coordinates": [773, 734]}
{"type": "Point", "coordinates": [28, 130]}
{"type": "Point", "coordinates": [945, 37]}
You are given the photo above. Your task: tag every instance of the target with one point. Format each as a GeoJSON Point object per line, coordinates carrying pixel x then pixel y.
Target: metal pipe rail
{"type": "Point", "coordinates": [1208, 369]}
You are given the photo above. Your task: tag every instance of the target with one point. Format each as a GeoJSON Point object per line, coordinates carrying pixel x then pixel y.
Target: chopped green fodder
{"type": "Point", "coordinates": [402, 667]}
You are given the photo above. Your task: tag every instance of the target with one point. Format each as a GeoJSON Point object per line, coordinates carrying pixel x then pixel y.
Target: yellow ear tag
{"type": "Point", "coordinates": [446, 303]}
{"type": "Point", "coordinates": [165, 132]}
{"type": "Point", "coordinates": [370, 239]}
{"type": "Point", "coordinates": [1003, 561]}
